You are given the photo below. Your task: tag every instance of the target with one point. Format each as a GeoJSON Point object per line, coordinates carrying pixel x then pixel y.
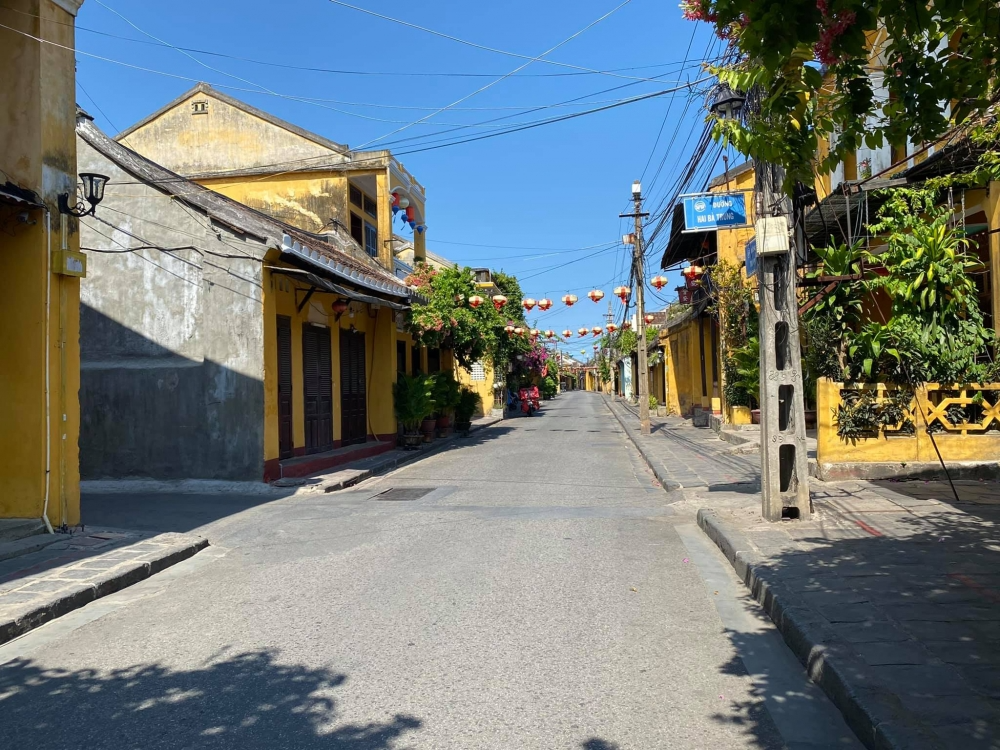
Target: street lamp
{"type": "Point", "coordinates": [93, 191]}
{"type": "Point", "coordinates": [727, 104]}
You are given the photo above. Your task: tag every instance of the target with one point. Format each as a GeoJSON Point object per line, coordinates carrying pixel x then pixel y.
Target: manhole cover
{"type": "Point", "coordinates": [403, 494]}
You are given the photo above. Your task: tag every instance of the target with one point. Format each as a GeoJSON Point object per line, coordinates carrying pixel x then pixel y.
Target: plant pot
{"type": "Point", "coordinates": [810, 419]}
{"type": "Point", "coordinates": [463, 428]}
{"type": "Point", "coordinates": [443, 432]}
{"type": "Point", "coordinates": [411, 440]}
{"type": "Point", "coordinates": [755, 416]}
{"type": "Point", "coordinates": [427, 428]}
{"type": "Point", "coordinates": [661, 411]}
{"type": "Point", "coordinates": [443, 422]}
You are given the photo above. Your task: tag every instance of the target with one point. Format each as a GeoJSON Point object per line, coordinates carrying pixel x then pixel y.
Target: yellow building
{"type": "Point", "coordinates": [39, 264]}
{"type": "Point", "coordinates": [690, 336]}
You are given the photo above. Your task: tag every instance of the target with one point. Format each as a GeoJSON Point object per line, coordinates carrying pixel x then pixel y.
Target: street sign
{"type": "Point", "coordinates": [707, 211]}
{"type": "Point", "coordinates": [751, 257]}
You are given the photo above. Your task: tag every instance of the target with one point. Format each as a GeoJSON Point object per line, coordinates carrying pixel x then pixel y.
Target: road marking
{"type": "Point", "coordinates": [805, 717]}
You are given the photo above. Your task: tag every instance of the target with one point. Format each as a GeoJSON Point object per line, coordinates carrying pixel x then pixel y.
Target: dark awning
{"type": "Point", "coordinates": [683, 245]}
{"type": "Point", "coordinates": [325, 285]}
{"type": "Point", "coordinates": [12, 194]}
{"type": "Point", "coordinates": [846, 211]}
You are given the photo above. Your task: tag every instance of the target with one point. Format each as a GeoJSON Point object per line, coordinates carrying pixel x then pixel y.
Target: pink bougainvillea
{"type": "Point", "coordinates": [834, 24]}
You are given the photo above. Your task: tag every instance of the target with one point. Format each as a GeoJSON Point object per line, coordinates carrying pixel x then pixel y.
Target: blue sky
{"type": "Point", "coordinates": [534, 197]}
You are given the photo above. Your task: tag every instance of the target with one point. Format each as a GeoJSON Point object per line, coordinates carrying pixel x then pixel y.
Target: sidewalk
{"type": "Point", "coordinates": [889, 595]}
{"type": "Point", "coordinates": [73, 570]}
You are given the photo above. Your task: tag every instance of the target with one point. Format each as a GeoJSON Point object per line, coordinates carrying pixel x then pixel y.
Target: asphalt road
{"type": "Point", "coordinates": [540, 595]}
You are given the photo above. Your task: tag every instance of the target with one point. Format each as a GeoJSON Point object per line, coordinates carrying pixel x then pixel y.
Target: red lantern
{"type": "Point", "coordinates": [684, 295]}
{"type": "Point", "coordinates": [518, 331]}
{"type": "Point", "coordinates": [649, 318]}
{"type": "Point", "coordinates": [410, 213]}
{"type": "Point", "coordinates": [568, 333]}
{"type": "Point", "coordinates": [597, 330]}
{"type": "Point", "coordinates": [622, 293]}
{"type": "Point", "coordinates": [583, 332]}
{"type": "Point", "coordinates": [499, 301]}
{"type": "Point", "coordinates": [534, 333]}
{"type": "Point", "coordinates": [612, 327]}
{"type": "Point", "coordinates": [691, 276]}
{"type": "Point", "coordinates": [528, 303]}
{"type": "Point", "coordinates": [550, 334]}
{"type": "Point", "coordinates": [627, 325]}
{"type": "Point", "coordinates": [544, 303]}
{"type": "Point", "coordinates": [596, 294]}
{"type": "Point", "coordinates": [595, 347]}
{"type": "Point", "coordinates": [659, 282]}
{"type": "Point", "coordinates": [475, 300]}
{"type": "Point", "coordinates": [569, 300]}
{"type": "Point", "coordinates": [509, 329]}
{"type": "Point", "coordinates": [340, 307]}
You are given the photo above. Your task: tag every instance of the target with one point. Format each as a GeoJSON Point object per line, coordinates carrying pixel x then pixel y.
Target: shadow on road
{"type": "Point", "coordinates": [247, 701]}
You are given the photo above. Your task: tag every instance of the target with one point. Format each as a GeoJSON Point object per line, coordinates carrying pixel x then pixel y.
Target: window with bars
{"type": "Point", "coordinates": [478, 371]}
{"type": "Point", "coordinates": [356, 196]}
{"type": "Point", "coordinates": [371, 240]}
{"type": "Point", "coordinates": [370, 206]}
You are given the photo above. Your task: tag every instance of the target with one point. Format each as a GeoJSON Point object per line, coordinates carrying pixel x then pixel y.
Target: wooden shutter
{"type": "Point", "coordinates": [285, 432]}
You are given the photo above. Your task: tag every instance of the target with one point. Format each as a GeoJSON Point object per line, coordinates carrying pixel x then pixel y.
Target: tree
{"type": "Point", "coordinates": [813, 69]}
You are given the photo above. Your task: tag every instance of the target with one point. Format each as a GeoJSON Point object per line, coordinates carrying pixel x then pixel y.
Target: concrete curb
{"type": "Point", "coordinates": [86, 593]}
{"type": "Point", "coordinates": [874, 713]}
{"type": "Point", "coordinates": [390, 464]}
{"type": "Point", "coordinates": [669, 485]}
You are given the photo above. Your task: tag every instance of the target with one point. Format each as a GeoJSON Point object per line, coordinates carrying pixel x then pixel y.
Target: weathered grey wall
{"type": "Point", "coordinates": [171, 342]}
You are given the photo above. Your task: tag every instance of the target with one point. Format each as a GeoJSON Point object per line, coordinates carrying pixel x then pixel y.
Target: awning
{"type": "Point", "coordinates": [326, 285]}
{"type": "Point", "coordinates": [686, 245]}
{"type": "Point", "coordinates": [12, 194]}
{"type": "Point", "coordinates": [840, 211]}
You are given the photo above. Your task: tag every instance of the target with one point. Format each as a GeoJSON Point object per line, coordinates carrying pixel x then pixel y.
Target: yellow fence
{"type": "Point", "coordinates": [959, 422]}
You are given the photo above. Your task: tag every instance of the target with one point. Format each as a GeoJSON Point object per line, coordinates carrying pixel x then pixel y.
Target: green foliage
{"type": "Point", "coordinates": [945, 51]}
{"type": "Point", "coordinates": [861, 415]}
{"type": "Point", "coordinates": [413, 399]}
{"type": "Point", "coordinates": [746, 370]}
{"type": "Point", "coordinates": [824, 351]}
{"type": "Point", "coordinates": [733, 305]}
{"type": "Point", "coordinates": [653, 402]}
{"type": "Point", "coordinates": [447, 321]}
{"type": "Point", "coordinates": [468, 402]}
{"type": "Point", "coordinates": [548, 387]}
{"type": "Point", "coordinates": [446, 391]}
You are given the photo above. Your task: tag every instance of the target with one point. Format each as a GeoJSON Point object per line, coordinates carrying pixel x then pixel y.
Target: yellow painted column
{"type": "Point", "coordinates": [993, 216]}
{"type": "Point", "coordinates": [420, 246]}
{"type": "Point", "coordinates": [385, 254]}
{"type": "Point", "coordinates": [270, 366]}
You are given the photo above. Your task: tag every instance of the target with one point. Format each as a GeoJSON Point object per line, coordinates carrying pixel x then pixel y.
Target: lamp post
{"type": "Point", "coordinates": [784, 485]}
{"type": "Point", "coordinates": [640, 278]}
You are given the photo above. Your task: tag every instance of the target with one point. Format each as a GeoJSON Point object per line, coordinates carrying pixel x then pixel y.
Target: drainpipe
{"type": "Point", "coordinates": [48, 421]}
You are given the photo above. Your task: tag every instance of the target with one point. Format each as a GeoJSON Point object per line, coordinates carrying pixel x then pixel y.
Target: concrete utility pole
{"type": "Point", "coordinates": [638, 273]}
{"type": "Point", "coordinates": [783, 455]}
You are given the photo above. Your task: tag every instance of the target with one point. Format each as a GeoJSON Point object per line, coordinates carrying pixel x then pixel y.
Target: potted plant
{"type": "Point", "coordinates": [446, 395]}
{"type": "Point", "coordinates": [413, 402]}
{"type": "Point", "coordinates": [747, 360]}
{"type": "Point", "coordinates": [468, 402]}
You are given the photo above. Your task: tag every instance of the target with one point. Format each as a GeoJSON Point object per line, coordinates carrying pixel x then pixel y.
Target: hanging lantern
{"type": "Point", "coordinates": [595, 347]}
{"type": "Point", "coordinates": [627, 325]}
{"type": "Point", "coordinates": [459, 299]}
{"type": "Point", "coordinates": [475, 301]}
{"type": "Point", "coordinates": [568, 333]}
{"type": "Point", "coordinates": [649, 318]}
{"type": "Point", "coordinates": [499, 301]}
{"type": "Point", "coordinates": [339, 307]}
{"type": "Point", "coordinates": [583, 332]}
{"type": "Point", "coordinates": [528, 303]}
{"type": "Point", "coordinates": [596, 294]}
{"type": "Point", "coordinates": [550, 334]}
{"type": "Point", "coordinates": [659, 282]}
{"type": "Point", "coordinates": [509, 329]}
{"type": "Point", "coordinates": [403, 202]}
{"type": "Point", "coordinates": [569, 300]}
{"type": "Point", "coordinates": [544, 303]}
{"type": "Point", "coordinates": [597, 330]}
{"type": "Point", "coordinates": [518, 331]}
{"type": "Point", "coordinates": [534, 333]}
{"type": "Point", "coordinates": [691, 275]}
{"type": "Point", "coordinates": [611, 327]}
{"type": "Point", "coordinates": [622, 293]}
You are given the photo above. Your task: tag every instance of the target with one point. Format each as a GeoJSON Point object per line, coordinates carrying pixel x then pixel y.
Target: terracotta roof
{"type": "Point", "coordinates": [338, 256]}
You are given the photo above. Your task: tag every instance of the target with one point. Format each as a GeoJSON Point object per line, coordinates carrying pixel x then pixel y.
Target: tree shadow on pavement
{"type": "Point", "coordinates": [598, 744]}
{"type": "Point", "coordinates": [248, 701]}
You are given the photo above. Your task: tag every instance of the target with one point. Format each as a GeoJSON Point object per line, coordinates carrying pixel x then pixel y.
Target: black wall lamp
{"type": "Point", "coordinates": [93, 191]}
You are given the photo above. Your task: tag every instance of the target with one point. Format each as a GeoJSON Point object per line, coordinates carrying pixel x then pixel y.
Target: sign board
{"type": "Point", "coordinates": [707, 211]}
{"type": "Point", "coordinates": [751, 257]}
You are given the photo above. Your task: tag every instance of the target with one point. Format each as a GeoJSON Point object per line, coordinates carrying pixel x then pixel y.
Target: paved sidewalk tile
{"type": "Point", "coordinates": [71, 572]}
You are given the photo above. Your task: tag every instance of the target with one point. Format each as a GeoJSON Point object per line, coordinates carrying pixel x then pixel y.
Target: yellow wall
{"type": "Point", "coordinates": [379, 327]}
{"type": "Point", "coordinates": [683, 362]}
{"type": "Point", "coordinates": [38, 153]}
{"type": "Point", "coordinates": [482, 387]}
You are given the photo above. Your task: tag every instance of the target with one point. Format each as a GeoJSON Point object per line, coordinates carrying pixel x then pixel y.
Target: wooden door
{"type": "Point", "coordinates": [285, 433]}
{"type": "Point", "coordinates": [317, 386]}
{"type": "Point", "coordinates": [353, 398]}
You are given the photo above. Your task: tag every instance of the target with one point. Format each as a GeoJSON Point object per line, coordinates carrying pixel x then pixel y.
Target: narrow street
{"type": "Point", "coordinates": [543, 593]}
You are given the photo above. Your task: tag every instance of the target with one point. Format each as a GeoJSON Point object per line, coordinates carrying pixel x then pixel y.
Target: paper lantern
{"type": "Point", "coordinates": [475, 300]}
{"type": "Point", "coordinates": [528, 303]}
{"type": "Point", "coordinates": [596, 294]}
{"type": "Point", "coordinates": [404, 202]}
{"type": "Point", "coordinates": [340, 307]}
{"type": "Point", "coordinates": [612, 327]}
{"type": "Point", "coordinates": [499, 301]}
{"type": "Point", "coordinates": [518, 331]}
{"type": "Point", "coordinates": [569, 300]}
{"type": "Point", "coordinates": [534, 333]}
{"type": "Point", "coordinates": [649, 318]}
{"type": "Point", "coordinates": [597, 330]}
{"type": "Point", "coordinates": [659, 282]}
{"type": "Point", "coordinates": [544, 303]}
{"type": "Point", "coordinates": [509, 329]}
{"type": "Point", "coordinates": [595, 347]}
{"type": "Point", "coordinates": [550, 334]}
{"type": "Point", "coordinates": [622, 293]}
{"type": "Point", "coordinates": [568, 333]}
{"type": "Point", "coordinates": [626, 325]}
{"type": "Point", "coordinates": [583, 332]}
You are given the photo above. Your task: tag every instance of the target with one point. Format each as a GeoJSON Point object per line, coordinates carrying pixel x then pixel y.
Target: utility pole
{"type": "Point", "coordinates": [639, 274]}
{"type": "Point", "coordinates": [784, 461]}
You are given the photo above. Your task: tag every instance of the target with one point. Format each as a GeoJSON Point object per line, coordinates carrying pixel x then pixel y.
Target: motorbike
{"type": "Point", "coordinates": [529, 399]}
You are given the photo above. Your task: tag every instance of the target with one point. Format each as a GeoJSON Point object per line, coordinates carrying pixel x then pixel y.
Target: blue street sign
{"type": "Point", "coordinates": [710, 211]}
{"type": "Point", "coordinates": [751, 257]}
